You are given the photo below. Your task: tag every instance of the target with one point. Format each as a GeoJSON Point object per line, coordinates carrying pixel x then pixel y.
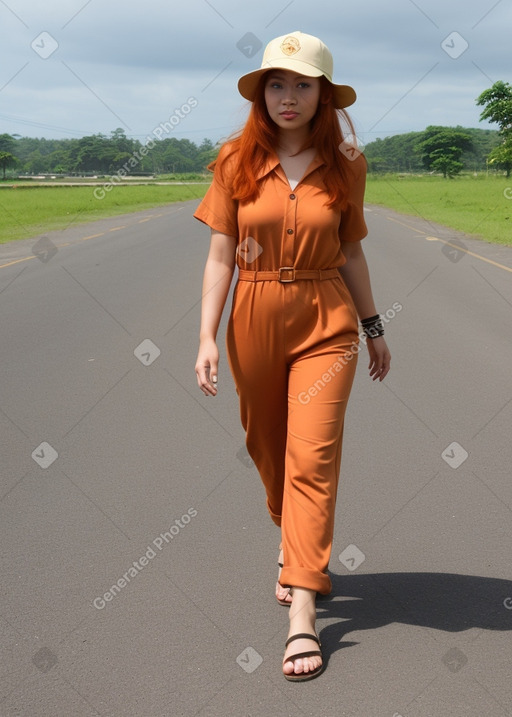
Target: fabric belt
{"type": "Point", "coordinates": [287, 274]}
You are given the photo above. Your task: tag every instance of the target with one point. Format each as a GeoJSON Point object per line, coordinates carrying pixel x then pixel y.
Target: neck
{"type": "Point", "coordinates": [290, 141]}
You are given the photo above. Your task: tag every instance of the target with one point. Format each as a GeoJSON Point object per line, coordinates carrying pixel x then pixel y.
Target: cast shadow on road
{"type": "Point", "coordinates": [442, 601]}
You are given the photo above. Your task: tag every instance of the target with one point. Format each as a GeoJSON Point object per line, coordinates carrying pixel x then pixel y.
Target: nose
{"type": "Point", "coordinates": [289, 97]}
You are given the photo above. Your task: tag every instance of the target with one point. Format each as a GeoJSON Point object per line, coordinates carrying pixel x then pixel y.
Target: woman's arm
{"type": "Point", "coordinates": [356, 276]}
{"type": "Point", "coordinates": [218, 274]}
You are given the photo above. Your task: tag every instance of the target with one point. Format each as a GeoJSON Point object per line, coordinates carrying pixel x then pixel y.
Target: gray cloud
{"type": "Point", "coordinates": [132, 64]}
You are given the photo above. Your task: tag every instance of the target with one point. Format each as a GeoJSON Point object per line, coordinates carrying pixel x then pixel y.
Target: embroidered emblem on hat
{"type": "Point", "coordinates": [290, 45]}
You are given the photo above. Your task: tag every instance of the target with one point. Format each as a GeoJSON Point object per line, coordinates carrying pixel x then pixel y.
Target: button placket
{"type": "Point", "coordinates": [288, 249]}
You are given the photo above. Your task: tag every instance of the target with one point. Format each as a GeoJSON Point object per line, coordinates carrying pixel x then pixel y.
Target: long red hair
{"type": "Point", "coordinates": [258, 138]}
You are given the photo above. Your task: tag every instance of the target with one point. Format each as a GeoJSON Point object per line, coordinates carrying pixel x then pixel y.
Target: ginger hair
{"type": "Point", "coordinates": [251, 146]}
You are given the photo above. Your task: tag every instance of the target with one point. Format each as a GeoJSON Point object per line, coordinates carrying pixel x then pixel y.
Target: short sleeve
{"type": "Point", "coordinates": [218, 209]}
{"type": "Point", "coordinates": [352, 225]}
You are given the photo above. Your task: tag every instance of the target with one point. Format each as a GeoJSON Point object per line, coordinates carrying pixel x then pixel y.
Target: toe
{"type": "Point", "coordinates": [289, 667]}
{"type": "Point", "coordinates": [301, 665]}
{"type": "Point", "coordinates": [283, 593]}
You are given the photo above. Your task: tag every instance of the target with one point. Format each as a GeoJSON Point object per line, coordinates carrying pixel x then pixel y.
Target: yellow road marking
{"type": "Point", "coordinates": [455, 246]}
{"type": "Point", "coordinates": [418, 231]}
{"type": "Point", "coordinates": [17, 261]}
{"type": "Point", "coordinates": [477, 256]}
{"type": "Point", "coordinates": [92, 236]}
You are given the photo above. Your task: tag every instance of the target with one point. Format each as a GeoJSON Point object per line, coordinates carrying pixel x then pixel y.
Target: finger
{"type": "Point", "coordinates": [381, 372]}
{"type": "Point", "coordinates": [374, 366]}
{"type": "Point", "coordinates": [211, 374]}
{"type": "Point", "coordinates": [384, 372]}
{"type": "Point", "coordinates": [204, 382]}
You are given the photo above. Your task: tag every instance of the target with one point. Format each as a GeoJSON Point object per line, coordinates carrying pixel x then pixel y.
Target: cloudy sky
{"type": "Point", "coordinates": [75, 67]}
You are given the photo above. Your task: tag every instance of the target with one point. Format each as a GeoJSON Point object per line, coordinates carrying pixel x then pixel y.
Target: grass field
{"type": "Point", "coordinates": [480, 206]}
{"type": "Point", "coordinates": [27, 212]}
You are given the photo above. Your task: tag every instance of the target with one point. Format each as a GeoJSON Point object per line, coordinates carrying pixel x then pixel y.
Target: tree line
{"type": "Point", "coordinates": [449, 150]}
{"type": "Point", "coordinates": [445, 150]}
{"type": "Point", "coordinates": [104, 155]}
{"type": "Point", "coordinates": [435, 149]}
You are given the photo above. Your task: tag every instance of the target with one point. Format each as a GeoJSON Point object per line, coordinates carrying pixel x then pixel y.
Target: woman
{"type": "Point", "coordinates": [286, 205]}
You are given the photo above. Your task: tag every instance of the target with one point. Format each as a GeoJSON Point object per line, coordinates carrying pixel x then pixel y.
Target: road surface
{"type": "Point", "coordinates": [138, 561]}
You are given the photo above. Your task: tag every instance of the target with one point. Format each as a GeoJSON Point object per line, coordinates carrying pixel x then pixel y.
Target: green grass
{"type": "Point", "coordinates": [28, 211]}
{"type": "Point", "coordinates": [475, 205]}
{"type": "Point", "coordinates": [480, 206]}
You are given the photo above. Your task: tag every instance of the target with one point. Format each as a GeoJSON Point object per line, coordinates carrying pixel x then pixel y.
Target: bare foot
{"type": "Point", "coordinates": [283, 594]}
{"type": "Point", "coordinates": [302, 620]}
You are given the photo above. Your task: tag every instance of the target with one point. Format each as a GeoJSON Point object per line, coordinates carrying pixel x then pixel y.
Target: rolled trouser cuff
{"type": "Point", "coordinates": [306, 578]}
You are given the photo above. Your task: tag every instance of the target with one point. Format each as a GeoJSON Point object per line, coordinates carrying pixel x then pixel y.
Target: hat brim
{"type": "Point", "coordinates": [343, 95]}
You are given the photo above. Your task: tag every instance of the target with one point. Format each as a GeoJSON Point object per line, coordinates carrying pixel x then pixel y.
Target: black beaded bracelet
{"type": "Point", "coordinates": [370, 320]}
{"type": "Point", "coordinates": [373, 326]}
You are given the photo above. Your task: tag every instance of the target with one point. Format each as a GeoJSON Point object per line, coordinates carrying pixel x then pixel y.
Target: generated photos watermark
{"type": "Point", "coordinates": [454, 455]}
{"type": "Point", "coordinates": [44, 455]}
{"type": "Point", "coordinates": [454, 45]}
{"type": "Point", "coordinates": [249, 660]}
{"type": "Point", "coordinates": [249, 250]}
{"type": "Point", "coordinates": [352, 557]}
{"type": "Point", "coordinates": [137, 566]}
{"type": "Point", "coordinates": [351, 147]}
{"type": "Point", "coordinates": [157, 134]}
{"type": "Point", "coordinates": [44, 45]}
{"type": "Point", "coordinates": [343, 359]}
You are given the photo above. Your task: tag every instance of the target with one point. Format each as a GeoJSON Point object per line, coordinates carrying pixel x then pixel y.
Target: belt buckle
{"type": "Point", "coordinates": [286, 268]}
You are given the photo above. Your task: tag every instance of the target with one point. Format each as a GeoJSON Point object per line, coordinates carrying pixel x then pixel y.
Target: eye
{"type": "Point", "coordinates": [275, 85]}
{"type": "Point", "coordinates": [304, 85]}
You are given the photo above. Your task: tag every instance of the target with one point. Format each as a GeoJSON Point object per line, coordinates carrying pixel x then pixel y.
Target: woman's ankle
{"type": "Point", "coordinates": [303, 608]}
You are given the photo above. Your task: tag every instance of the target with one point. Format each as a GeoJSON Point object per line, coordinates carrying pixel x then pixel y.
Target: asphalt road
{"type": "Point", "coordinates": [138, 560]}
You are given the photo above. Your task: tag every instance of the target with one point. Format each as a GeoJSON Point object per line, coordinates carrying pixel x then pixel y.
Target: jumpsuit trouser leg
{"type": "Point", "coordinates": [293, 359]}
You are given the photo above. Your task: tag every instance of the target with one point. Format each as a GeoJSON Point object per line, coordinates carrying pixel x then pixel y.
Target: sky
{"type": "Point", "coordinates": [70, 68]}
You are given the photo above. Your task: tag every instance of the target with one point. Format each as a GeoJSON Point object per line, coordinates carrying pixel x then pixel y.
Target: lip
{"type": "Point", "coordinates": [289, 114]}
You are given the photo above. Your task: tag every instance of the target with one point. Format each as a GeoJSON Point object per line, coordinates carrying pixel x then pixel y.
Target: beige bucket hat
{"type": "Point", "coordinates": [301, 53]}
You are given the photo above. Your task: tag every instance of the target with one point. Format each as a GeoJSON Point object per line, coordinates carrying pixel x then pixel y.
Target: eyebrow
{"type": "Point", "coordinates": [282, 77]}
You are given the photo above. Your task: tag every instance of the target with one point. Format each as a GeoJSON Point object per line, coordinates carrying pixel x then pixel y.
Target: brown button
{"type": "Point", "coordinates": [292, 196]}
{"type": "Point", "coordinates": [289, 231]}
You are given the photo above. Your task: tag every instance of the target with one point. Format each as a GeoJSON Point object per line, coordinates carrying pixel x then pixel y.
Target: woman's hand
{"type": "Point", "coordinates": [207, 366]}
{"type": "Point", "coordinates": [379, 357]}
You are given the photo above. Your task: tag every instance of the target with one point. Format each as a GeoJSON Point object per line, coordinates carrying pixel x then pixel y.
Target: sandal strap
{"type": "Point", "coordinates": [303, 636]}
{"type": "Point", "coordinates": [311, 653]}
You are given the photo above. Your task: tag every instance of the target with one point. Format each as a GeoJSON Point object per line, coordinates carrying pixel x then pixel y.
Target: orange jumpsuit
{"type": "Point", "coordinates": [292, 347]}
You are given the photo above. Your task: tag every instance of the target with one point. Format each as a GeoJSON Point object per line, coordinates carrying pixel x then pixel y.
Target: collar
{"type": "Point", "coordinates": [273, 162]}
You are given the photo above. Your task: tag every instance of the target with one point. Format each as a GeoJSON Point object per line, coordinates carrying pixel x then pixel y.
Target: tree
{"type": "Point", "coordinates": [207, 152]}
{"type": "Point", "coordinates": [442, 161]}
{"type": "Point", "coordinates": [501, 156]}
{"type": "Point", "coordinates": [394, 154]}
{"type": "Point", "coordinates": [7, 143]}
{"type": "Point", "coordinates": [498, 106]}
{"type": "Point", "coordinates": [107, 154]}
{"type": "Point", "coordinates": [442, 147]}
{"type": "Point", "coordinates": [497, 101]}
{"type": "Point", "coordinates": [7, 160]}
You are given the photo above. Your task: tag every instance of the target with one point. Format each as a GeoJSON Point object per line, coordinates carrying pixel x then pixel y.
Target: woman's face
{"type": "Point", "coordinates": [291, 99]}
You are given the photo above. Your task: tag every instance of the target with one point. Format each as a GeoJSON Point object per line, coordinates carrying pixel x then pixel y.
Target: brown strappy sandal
{"type": "Point", "coordinates": [303, 676]}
